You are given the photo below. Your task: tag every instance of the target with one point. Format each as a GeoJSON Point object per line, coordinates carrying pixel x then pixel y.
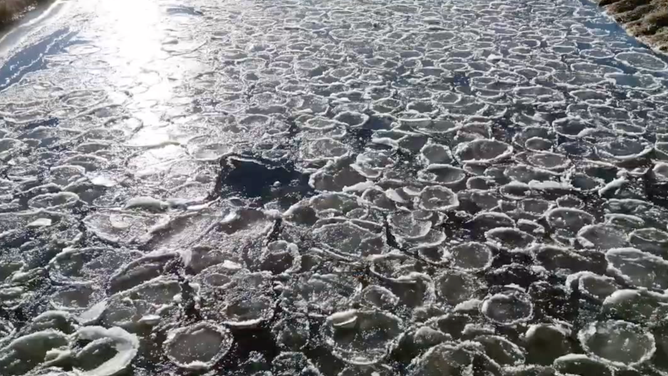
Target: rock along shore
{"type": "Point", "coordinates": [12, 9]}
{"type": "Point", "coordinates": [646, 20]}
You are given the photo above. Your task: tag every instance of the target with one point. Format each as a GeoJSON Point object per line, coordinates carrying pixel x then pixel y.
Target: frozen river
{"type": "Point", "coordinates": [335, 188]}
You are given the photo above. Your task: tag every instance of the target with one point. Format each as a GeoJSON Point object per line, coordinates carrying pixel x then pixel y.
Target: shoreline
{"type": "Point", "coordinates": [14, 10]}
{"type": "Point", "coordinates": [646, 20]}
{"type": "Point", "coordinates": [27, 21]}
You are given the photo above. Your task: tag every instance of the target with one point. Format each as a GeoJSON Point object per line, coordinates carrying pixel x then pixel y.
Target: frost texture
{"type": "Point", "coordinates": [332, 188]}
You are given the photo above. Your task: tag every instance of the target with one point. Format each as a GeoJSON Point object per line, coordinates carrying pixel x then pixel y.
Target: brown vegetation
{"type": "Point", "coordinates": [11, 9]}
{"type": "Point", "coordinates": [645, 19]}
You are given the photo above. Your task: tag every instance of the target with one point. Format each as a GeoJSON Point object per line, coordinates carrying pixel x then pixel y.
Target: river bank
{"type": "Point", "coordinates": [11, 10]}
{"type": "Point", "coordinates": [646, 20]}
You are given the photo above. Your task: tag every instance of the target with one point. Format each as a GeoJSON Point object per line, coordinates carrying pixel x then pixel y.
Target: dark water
{"type": "Point", "coordinates": [31, 59]}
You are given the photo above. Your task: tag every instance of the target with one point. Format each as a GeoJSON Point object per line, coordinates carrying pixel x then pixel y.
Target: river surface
{"type": "Point", "coordinates": [462, 187]}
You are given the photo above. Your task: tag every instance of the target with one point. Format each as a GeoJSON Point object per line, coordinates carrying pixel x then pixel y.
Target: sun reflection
{"type": "Point", "coordinates": [133, 28]}
{"type": "Point", "coordinates": [130, 34]}
{"type": "Point", "coordinates": [147, 49]}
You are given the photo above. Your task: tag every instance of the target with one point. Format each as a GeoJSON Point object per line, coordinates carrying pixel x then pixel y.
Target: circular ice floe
{"type": "Point", "coordinates": [25, 353]}
{"type": "Point", "coordinates": [336, 176]}
{"type": "Point", "coordinates": [530, 132]}
{"type": "Point", "coordinates": [572, 127]}
{"type": "Point", "coordinates": [623, 149]}
{"type": "Point", "coordinates": [219, 276]}
{"type": "Point", "coordinates": [569, 219]}
{"type": "Point", "coordinates": [280, 257]}
{"type": "Point", "coordinates": [199, 346]}
{"type": "Point", "coordinates": [590, 96]}
{"type": "Point", "coordinates": [354, 119]}
{"type": "Point", "coordinates": [633, 81]}
{"type": "Point", "coordinates": [660, 171]}
{"type": "Point", "coordinates": [123, 227]}
{"type": "Point", "coordinates": [438, 198]}
{"type": "Point", "coordinates": [591, 176]}
{"type": "Point", "coordinates": [533, 207]}
{"type": "Point", "coordinates": [509, 238]}
{"type": "Point", "coordinates": [410, 224]}
{"type": "Point", "coordinates": [378, 297]}
{"type": "Point", "coordinates": [347, 239]}
{"type": "Point", "coordinates": [246, 301]}
{"type": "Point", "coordinates": [634, 305]}
{"type": "Point", "coordinates": [210, 151]}
{"type": "Point", "coordinates": [372, 164]}
{"type": "Point", "coordinates": [602, 236]}
{"type": "Point", "coordinates": [58, 200]}
{"type": "Point", "coordinates": [76, 297]}
{"type": "Point", "coordinates": [515, 190]}
{"type": "Point", "coordinates": [386, 105]}
{"type": "Point", "coordinates": [546, 160]}
{"type": "Point", "coordinates": [530, 175]}
{"type": "Point", "coordinates": [292, 363]}
{"type": "Point", "coordinates": [501, 350]}
{"type": "Point", "coordinates": [11, 266]}
{"type": "Point", "coordinates": [88, 161]}
{"type": "Point", "coordinates": [532, 94]}
{"type": "Point", "coordinates": [545, 342]}
{"type": "Point", "coordinates": [594, 68]}
{"type": "Point", "coordinates": [50, 320]}
{"type": "Point", "coordinates": [333, 204]}
{"type": "Point", "coordinates": [608, 114]}
{"type": "Point", "coordinates": [147, 303]}
{"type": "Point", "coordinates": [433, 153]}
{"type": "Point", "coordinates": [581, 364]}
{"type": "Point", "coordinates": [597, 53]}
{"type": "Point", "coordinates": [392, 266]}
{"type": "Point", "coordinates": [442, 174]}
{"type": "Point", "coordinates": [508, 307]}
{"type": "Point", "coordinates": [592, 285]}
{"type": "Point", "coordinates": [538, 144]}
{"type": "Point", "coordinates": [322, 149]}
{"type": "Point", "coordinates": [569, 202]}
{"type": "Point", "coordinates": [455, 287]}
{"type": "Point", "coordinates": [628, 129]}
{"type": "Point", "coordinates": [139, 270]}
{"type": "Point", "coordinates": [368, 370]}
{"type": "Point", "coordinates": [577, 148]}
{"type": "Point", "coordinates": [88, 265]}
{"type": "Point", "coordinates": [471, 256]}
{"type": "Point", "coordinates": [642, 61]}
{"type": "Point", "coordinates": [100, 341]}
{"type": "Point", "coordinates": [361, 337]}
{"type": "Point", "coordinates": [618, 342]}
{"type": "Point", "coordinates": [650, 239]}
{"type": "Point", "coordinates": [320, 295]}
{"type": "Point", "coordinates": [453, 359]}
{"type": "Point", "coordinates": [485, 221]}
{"type": "Point", "coordinates": [482, 151]}
{"type": "Point", "coordinates": [626, 222]}
{"type": "Point", "coordinates": [638, 268]}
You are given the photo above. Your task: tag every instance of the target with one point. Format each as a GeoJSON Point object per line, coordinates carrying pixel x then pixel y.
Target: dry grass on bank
{"type": "Point", "coordinates": [645, 19]}
{"type": "Point", "coordinates": [10, 9]}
